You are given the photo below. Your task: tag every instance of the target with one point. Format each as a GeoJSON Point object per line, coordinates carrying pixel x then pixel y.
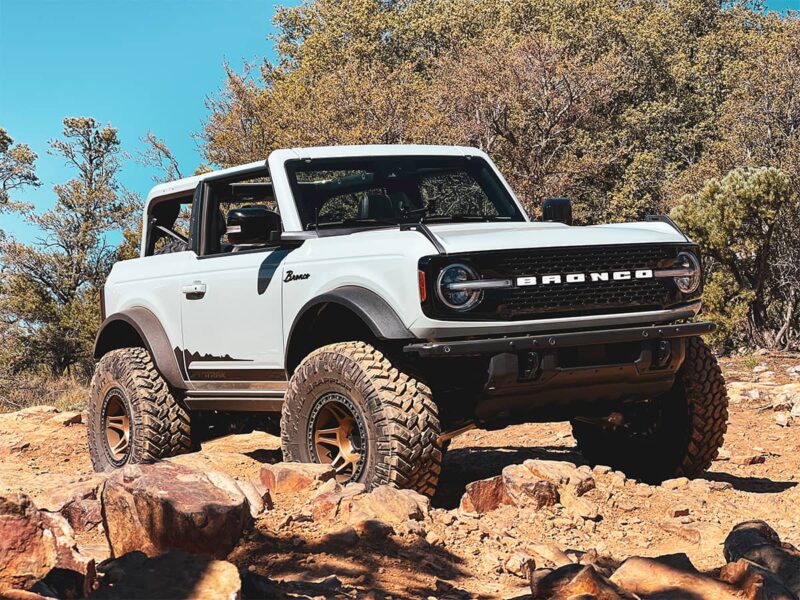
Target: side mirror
{"type": "Point", "coordinates": [557, 210]}
{"type": "Point", "coordinates": [252, 225]}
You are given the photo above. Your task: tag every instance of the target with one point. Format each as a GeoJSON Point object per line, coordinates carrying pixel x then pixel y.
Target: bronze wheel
{"type": "Point", "coordinates": [117, 426]}
{"type": "Point", "coordinates": [337, 435]}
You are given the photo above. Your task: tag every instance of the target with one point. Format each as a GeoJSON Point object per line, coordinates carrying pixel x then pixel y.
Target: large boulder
{"type": "Point", "coordinates": [77, 501]}
{"type": "Point", "coordinates": [293, 478]}
{"type": "Point", "coordinates": [524, 489]}
{"type": "Point", "coordinates": [176, 574]}
{"type": "Point", "coordinates": [648, 577]}
{"type": "Point", "coordinates": [758, 543]}
{"type": "Point", "coordinates": [28, 549]}
{"type": "Point", "coordinates": [484, 495]}
{"type": "Point", "coordinates": [386, 504]}
{"type": "Point", "coordinates": [155, 508]}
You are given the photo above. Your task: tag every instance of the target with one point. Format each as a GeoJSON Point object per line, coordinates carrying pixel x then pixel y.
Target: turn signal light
{"type": "Point", "coordinates": [423, 289]}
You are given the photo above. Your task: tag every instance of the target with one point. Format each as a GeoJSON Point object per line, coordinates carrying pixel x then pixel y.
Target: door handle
{"type": "Point", "coordinates": [197, 288]}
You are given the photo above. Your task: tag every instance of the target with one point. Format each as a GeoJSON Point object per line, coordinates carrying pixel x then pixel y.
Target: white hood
{"type": "Point", "coordinates": [478, 237]}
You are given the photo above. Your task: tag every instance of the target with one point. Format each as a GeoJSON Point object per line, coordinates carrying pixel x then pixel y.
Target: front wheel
{"type": "Point", "coordinates": [349, 407]}
{"type": "Point", "coordinates": [133, 416]}
{"type": "Point", "coordinates": [677, 434]}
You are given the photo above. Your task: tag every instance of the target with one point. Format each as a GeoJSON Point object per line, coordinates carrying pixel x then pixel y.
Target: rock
{"type": "Point", "coordinates": [176, 574]}
{"type": "Point", "coordinates": [155, 508]}
{"type": "Point", "coordinates": [757, 542]}
{"type": "Point", "coordinates": [548, 583]}
{"type": "Point", "coordinates": [523, 489]}
{"type": "Point", "coordinates": [67, 555]}
{"type": "Point", "coordinates": [65, 419]}
{"type": "Point", "coordinates": [346, 537]}
{"type": "Point", "coordinates": [650, 577]}
{"type": "Point", "coordinates": [78, 502]}
{"type": "Point", "coordinates": [588, 583]}
{"type": "Point", "coordinates": [550, 553]}
{"type": "Point", "coordinates": [258, 501]}
{"type": "Point", "coordinates": [783, 419]}
{"type": "Point", "coordinates": [748, 459]}
{"type": "Point", "coordinates": [235, 489]}
{"type": "Point", "coordinates": [27, 545]}
{"type": "Point", "coordinates": [678, 483]}
{"type": "Point", "coordinates": [484, 496]}
{"type": "Point", "coordinates": [795, 412]}
{"type": "Point", "coordinates": [291, 478]}
{"type": "Point", "coordinates": [374, 530]}
{"type": "Point", "coordinates": [579, 507]}
{"type": "Point", "coordinates": [386, 504]}
{"type": "Point", "coordinates": [680, 511]}
{"type": "Point", "coordinates": [326, 503]}
{"type": "Point", "coordinates": [433, 538]}
{"type": "Point", "coordinates": [755, 581]}
{"type": "Point", "coordinates": [562, 473]}
{"type": "Point", "coordinates": [521, 565]}
{"type": "Point", "coordinates": [752, 394]}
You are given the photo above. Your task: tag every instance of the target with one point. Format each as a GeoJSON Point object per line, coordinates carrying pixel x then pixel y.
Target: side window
{"type": "Point", "coordinates": [168, 225]}
{"type": "Point", "coordinates": [241, 215]}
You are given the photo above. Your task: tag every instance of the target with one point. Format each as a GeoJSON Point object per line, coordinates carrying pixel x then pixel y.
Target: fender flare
{"type": "Point", "coordinates": [374, 312]}
{"type": "Point", "coordinates": [153, 337]}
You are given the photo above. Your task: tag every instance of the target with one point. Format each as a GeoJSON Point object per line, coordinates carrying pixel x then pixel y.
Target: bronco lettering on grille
{"type": "Point", "coordinates": [585, 277]}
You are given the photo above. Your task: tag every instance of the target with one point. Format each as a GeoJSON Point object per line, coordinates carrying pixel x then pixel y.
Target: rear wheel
{"type": "Point", "coordinates": [349, 407]}
{"type": "Point", "coordinates": [677, 434]}
{"type": "Point", "coordinates": [133, 416]}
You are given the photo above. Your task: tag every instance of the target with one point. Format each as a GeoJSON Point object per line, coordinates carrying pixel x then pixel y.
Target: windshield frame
{"type": "Point", "coordinates": [491, 183]}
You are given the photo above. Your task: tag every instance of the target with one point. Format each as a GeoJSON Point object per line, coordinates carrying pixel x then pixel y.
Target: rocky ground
{"type": "Point", "coordinates": [529, 506]}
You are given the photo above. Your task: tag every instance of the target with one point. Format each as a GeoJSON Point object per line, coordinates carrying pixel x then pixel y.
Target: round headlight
{"type": "Point", "coordinates": [452, 287]}
{"type": "Point", "coordinates": [688, 262]}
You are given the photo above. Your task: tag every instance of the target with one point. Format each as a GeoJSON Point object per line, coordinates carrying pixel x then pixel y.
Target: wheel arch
{"type": "Point", "coordinates": [139, 327]}
{"type": "Point", "coordinates": [328, 318]}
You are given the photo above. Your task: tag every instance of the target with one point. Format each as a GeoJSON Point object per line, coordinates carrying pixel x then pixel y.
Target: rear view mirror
{"type": "Point", "coordinates": [557, 210]}
{"type": "Point", "coordinates": [252, 225]}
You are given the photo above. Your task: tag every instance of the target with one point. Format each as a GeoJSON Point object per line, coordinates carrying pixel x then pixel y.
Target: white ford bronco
{"type": "Point", "coordinates": [384, 298]}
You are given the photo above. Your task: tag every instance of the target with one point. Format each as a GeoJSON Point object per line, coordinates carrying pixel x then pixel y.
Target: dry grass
{"type": "Point", "coordinates": [21, 391]}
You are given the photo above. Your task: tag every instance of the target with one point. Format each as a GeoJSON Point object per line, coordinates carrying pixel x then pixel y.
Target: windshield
{"type": "Point", "coordinates": [364, 192]}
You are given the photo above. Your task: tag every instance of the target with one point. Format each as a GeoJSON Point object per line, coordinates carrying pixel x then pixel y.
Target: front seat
{"type": "Point", "coordinates": [376, 206]}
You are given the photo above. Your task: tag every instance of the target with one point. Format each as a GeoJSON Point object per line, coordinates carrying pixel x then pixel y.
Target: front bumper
{"type": "Point", "coordinates": [562, 375]}
{"type": "Point", "coordinates": [559, 340]}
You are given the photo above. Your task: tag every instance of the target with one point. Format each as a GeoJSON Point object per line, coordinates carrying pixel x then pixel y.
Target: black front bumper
{"type": "Point", "coordinates": [559, 376]}
{"type": "Point", "coordinates": [559, 340]}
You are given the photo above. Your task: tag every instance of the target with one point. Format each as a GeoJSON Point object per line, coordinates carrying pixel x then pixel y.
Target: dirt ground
{"type": "Point", "coordinates": [757, 476]}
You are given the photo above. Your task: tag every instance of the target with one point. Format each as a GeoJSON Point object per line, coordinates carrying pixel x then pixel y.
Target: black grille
{"type": "Point", "coordinates": [579, 260]}
{"type": "Point", "coordinates": [570, 299]}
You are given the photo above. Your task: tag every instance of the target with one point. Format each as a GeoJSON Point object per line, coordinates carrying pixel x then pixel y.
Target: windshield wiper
{"type": "Point", "coordinates": [352, 222]}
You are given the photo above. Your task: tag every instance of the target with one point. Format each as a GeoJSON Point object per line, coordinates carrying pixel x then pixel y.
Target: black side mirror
{"type": "Point", "coordinates": [557, 210]}
{"type": "Point", "coordinates": [252, 225]}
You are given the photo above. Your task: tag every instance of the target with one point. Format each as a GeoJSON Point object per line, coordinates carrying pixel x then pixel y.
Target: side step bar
{"type": "Point", "coordinates": [233, 403]}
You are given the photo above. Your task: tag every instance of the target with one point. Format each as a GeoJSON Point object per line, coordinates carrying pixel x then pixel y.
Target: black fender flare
{"type": "Point", "coordinates": [374, 311]}
{"type": "Point", "coordinates": [152, 335]}
{"type": "Point", "coordinates": [381, 318]}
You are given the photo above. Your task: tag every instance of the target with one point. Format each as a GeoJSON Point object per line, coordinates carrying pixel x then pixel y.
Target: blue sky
{"type": "Point", "coordinates": [138, 64]}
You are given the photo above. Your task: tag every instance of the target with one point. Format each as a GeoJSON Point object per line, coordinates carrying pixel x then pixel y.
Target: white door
{"type": "Point", "coordinates": [232, 326]}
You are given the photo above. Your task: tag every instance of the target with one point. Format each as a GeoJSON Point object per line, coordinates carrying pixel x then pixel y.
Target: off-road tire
{"type": "Point", "coordinates": [159, 424]}
{"type": "Point", "coordinates": [400, 417]}
{"type": "Point", "coordinates": [684, 434]}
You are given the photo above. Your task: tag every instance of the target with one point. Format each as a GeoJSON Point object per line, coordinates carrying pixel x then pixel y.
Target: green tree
{"type": "Point", "coordinates": [50, 289]}
{"type": "Point", "coordinates": [740, 221]}
{"type": "Point", "coordinates": [17, 167]}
